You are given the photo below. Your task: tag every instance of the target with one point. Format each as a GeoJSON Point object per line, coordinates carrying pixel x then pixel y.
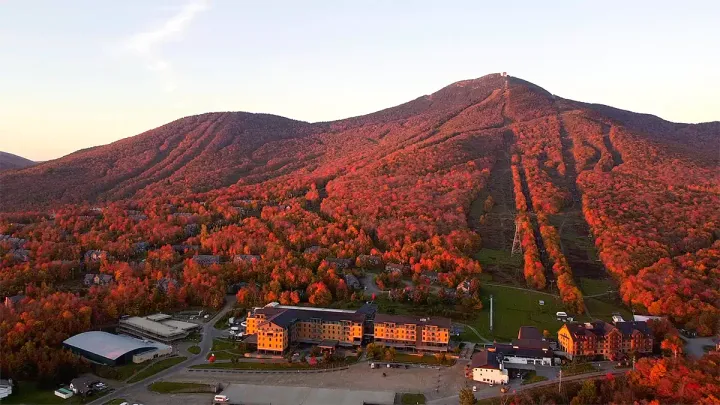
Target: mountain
{"type": "Point", "coordinates": [10, 161]}
{"type": "Point", "coordinates": [579, 190]}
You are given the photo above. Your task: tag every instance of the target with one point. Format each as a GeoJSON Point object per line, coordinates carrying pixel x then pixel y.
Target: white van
{"type": "Point", "coordinates": [221, 398]}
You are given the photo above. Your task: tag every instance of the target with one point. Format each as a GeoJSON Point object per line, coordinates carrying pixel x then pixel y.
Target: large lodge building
{"type": "Point", "coordinates": [278, 326]}
{"type": "Point", "coordinates": [604, 339]}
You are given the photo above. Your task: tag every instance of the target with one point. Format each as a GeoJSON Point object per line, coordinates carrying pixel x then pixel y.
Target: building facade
{"type": "Point", "coordinates": [278, 326]}
{"type": "Point", "coordinates": [412, 333]}
{"type": "Point", "coordinates": [610, 341]}
{"type": "Point", "coordinates": [487, 368]}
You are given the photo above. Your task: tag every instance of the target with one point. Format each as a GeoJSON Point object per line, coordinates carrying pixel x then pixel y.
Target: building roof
{"type": "Point", "coordinates": [417, 320]}
{"type": "Point", "coordinates": [165, 328]}
{"type": "Point", "coordinates": [108, 345]}
{"type": "Point", "coordinates": [628, 327]}
{"type": "Point", "coordinates": [531, 344]}
{"type": "Point", "coordinates": [328, 343]}
{"type": "Point", "coordinates": [284, 317]}
{"type": "Point", "coordinates": [510, 350]}
{"type": "Point", "coordinates": [485, 359]}
{"type": "Point", "coordinates": [529, 332]}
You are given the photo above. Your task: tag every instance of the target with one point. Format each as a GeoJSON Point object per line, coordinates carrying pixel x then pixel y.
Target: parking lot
{"type": "Point", "coordinates": [430, 381]}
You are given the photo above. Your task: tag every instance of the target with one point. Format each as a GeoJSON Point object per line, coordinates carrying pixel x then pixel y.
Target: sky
{"type": "Point", "coordinates": [76, 74]}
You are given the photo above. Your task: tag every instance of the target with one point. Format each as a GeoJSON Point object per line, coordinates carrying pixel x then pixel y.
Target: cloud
{"type": "Point", "coordinates": [145, 45]}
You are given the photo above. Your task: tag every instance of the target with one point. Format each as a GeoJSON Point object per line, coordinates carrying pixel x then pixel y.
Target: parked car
{"type": "Point", "coordinates": [221, 398]}
{"type": "Point", "coordinates": [474, 388]}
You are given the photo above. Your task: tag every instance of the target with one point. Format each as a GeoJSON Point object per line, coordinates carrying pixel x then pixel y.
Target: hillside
{"type": "Point", "coordinates": [436, 185]}
{"type": "Point", "coordinates": [10, 161]}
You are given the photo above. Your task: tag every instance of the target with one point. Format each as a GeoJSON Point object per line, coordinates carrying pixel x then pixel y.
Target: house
{"type": "Point", "coordinates": [432, 276]}
{"type": "Point", "coordinates": [97, 279]}
{"type": "Point", "coordinates": [369, 261]}
{"type": "Point", "coordinates": [164, 284]}
{"type": "Point", "coordinates": [21, 255]}
{"type": "Point", "coordinates": [206, 260]}
{"type": "Point", "coordinates": [246, 258]}
{"type": "Point", "coordinates": [610, 341]}
{"type": "Point", "coordinates": [341, 264]}
{"type": "Point", "coordinates": [464, 287]}
{"type": "Point", "coordinates": [394, 268]}
{"type": "Point", "coordinates": [192, 229]}
{"type": "Point", "coordinates": [83, 385]}
{"type": "Point", "coordinates": [487, 368]}
{"type": "Point", "coordinates": [95, 255]}
{"type": "Point", "coordinates": [352, 282]}
{"type": "Point", "coordinates": [11, 302]}
{"type": "Point", "coordinates": [140, 247]}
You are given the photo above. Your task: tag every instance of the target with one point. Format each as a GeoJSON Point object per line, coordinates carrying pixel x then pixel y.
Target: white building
{"type": "Point", "coordinates": [486, 368]}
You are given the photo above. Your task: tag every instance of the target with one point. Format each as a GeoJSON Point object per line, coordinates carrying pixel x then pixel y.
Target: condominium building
{"type": "Point", "coordinates": [604, 339]}
{"type": "Point", "coordinates": [277, 326]}
{"type": "Point", "coordinates": [413, 333]}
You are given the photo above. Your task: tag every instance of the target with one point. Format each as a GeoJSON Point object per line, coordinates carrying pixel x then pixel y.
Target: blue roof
{"type": "Point", "coordinates": [108, 345]}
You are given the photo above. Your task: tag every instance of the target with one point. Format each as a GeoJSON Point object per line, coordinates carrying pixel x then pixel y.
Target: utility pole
{"type": "Point", "coordinates": [560, 383]}
{"type": "Point", "coordinates": [491, 313]}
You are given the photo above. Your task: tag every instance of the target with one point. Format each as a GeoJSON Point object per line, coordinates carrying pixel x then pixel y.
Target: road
{"type": "Point", "coordinates": [208, 334]}
{"type": "Point", "coordinates": [514, 387]}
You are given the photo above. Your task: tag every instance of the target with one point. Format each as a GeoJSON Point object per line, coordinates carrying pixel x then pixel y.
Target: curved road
{"type": "Point", "coordinates": [208, 335]}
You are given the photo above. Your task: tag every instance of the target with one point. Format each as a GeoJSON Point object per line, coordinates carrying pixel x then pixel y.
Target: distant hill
{"type": "Point", "coordinates": [578, 191]}
{"type": "Point", "coordinates": [10, 161]}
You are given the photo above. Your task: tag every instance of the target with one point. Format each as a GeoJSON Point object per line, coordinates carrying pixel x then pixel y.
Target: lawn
{"type": "Point", "coordinates": [167, 387]}
{"type": "Point", "coordinates": [219, 344]}
{"type": "Point", "coordinates": [590, 286]}
{"type": "Point", "coordinates": [533, 378]}
{"type": "Point", "coordinates": [29, 393]}
{"type": "Point", "coordinates": [495, 257]}
{"type": "Point", "coordinates": [156, 368]}
{"type": "Point", "coordinates": [604, 308]}
{"type": "Point", "coordinates": [412, 399]}
{"type": "Point", "coordinates": [578, 368]}
{"type": "Point", "coordinates": [426, 359]}
{"type": "Point", "coordinates": [513, 309]}
{"type": "Point", "coordinates": [194, 349]}
{"type": "Point", "coordinates": [247, 365]}
{"type": "Point", "coordinates": [222, 355]}
{"type": "Point", "coordinates": [120, 373]}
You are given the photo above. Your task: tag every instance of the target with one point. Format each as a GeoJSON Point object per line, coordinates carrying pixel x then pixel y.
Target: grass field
{"type": "Point", "coordinates": [194, 349]}
{"type": "Point", "coordinates": [427, 359]}
{"type": "Point", "coordinates": [501, 258]}
{"type": "Point", "coordinates": [533, 378]}
{"type": "Point", "coordinates": [412, 399]}
{"type": "Point", "coordinates": [219, 344]}
{"type": "Point", "coordinates": [513, 309]}
{"type": "Point", "coordinates": [167, 387]}
{"type": "Point", "coordinates": [590, 286]}
{"type": "Point", "coordinates": [156, 368]}
{"type": "Point", "coordinates": [578, 368]}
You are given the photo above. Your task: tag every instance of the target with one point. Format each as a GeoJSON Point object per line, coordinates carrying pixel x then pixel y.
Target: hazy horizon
{"type": "Point", "coordinates": [83, 74]}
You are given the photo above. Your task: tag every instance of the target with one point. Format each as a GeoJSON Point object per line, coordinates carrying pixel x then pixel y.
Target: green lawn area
{"type": "Point", "coordinates": [604, 308]}
{"type": "Point", "coordinates": [120, 373]}
{"type": "Point", "coordinates": [156, 368]}
{"type": "Point", "coordinates": [513, 309]}
{"type": "Point", "coordinates": [590, 286]}
{"type": "Point", "coordinates": [246, 365]}
{"type": "Point", "coordinates": [219, 344]}
{"type": "Point", "coordinates": [167, 387]}
{"type": "Point", "coordinates": [578, 368]}
{"type": "Point", "coordinates": [222, 355]}
{"type": "Point", "coordinates": [412, 399]}
{"type": "Point", "coordinates": [426, 359]}
{"type": "Point", "coordinates": [194, 349]}
{"type": "Point", "coordinates": [495, 257]}
{"type": "Point", "coordinates": [29, 393]}
{"type": "Point", "coordinates": [533, 378]}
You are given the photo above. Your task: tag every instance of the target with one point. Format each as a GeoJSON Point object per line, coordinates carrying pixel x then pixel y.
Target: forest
{"type": "Point", "coordinates": [266, 208]}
